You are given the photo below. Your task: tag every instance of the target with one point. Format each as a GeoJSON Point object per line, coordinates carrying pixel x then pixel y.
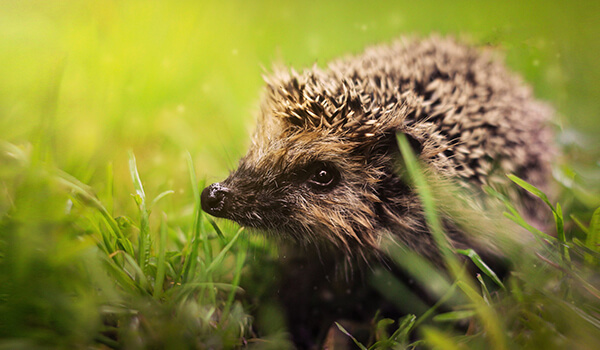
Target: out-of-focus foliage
{"type": "Point", "coordinates": [72, 275]}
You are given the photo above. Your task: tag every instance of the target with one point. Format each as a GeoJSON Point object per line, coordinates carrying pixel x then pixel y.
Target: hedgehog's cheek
{"type": "Point", "coordinates": [216, 200]}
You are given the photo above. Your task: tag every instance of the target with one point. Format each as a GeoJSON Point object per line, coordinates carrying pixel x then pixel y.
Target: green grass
{"type": "Point", "coordinates": [550, 303]}
{"type": "Point", "coordinates": [114, 114]}
{"type": "Point", "coordinates": [73, 274]}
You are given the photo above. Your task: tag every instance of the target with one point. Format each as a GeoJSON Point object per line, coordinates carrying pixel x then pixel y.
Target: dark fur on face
{"type": "Point", "coordinates": [322, 164]}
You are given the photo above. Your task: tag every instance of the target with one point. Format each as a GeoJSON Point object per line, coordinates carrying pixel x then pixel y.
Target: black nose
{"type": "Point", "coordinates": [214, 199]}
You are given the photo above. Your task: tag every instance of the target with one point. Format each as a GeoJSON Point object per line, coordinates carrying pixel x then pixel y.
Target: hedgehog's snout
{"type": "Point", "coordinates": [215, 199]}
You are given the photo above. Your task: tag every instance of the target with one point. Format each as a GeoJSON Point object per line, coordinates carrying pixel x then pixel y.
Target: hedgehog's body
{"type": "Point", "coordinates": [322, 167]}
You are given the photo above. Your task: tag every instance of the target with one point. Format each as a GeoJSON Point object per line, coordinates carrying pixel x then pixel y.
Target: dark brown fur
{"type": "Point", "coordinates": [469, 119]}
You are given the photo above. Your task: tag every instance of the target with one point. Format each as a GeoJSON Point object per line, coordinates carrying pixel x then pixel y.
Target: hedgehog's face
{"type": "Point", "coordinates": [307, 186]}
{"type": "Point", "coordinates": [321, 164]}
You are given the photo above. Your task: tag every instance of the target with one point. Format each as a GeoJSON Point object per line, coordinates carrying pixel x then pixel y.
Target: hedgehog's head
{"type": "Point", "coordinates": [320, 167]}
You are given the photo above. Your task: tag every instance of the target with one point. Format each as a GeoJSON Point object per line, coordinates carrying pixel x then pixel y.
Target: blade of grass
{"type": "Point", "coordinates": [560, 233]}
{"type": "Point", "coordinates": [122, 278]}
{"type": "Point", "coordinates": [417, 266]}
{"type": "Point", "coordinates": [239, 264]}
{"type": "Point", "coordinates": [106, 242]}
{"type": "Point", "coordinates": [487, 315]}
{"type": "Point", "coordinates": [484, 290]}
{"type": "Point", "coordinates": [412, 165]}
{"type": "Point", "coordinates": [194, 238]}
{"type": "Point", "coordinates": [159, 197]}
{"type": "Point", "coordinates": [219, 258]}
{"type": "Point", "coordinates": [454, 316]}
{"type": "Point", "coordinates": [391, 287]}
{"type": "Point", "coordinates": [517, 218]}
{"type": "Point", "coordinates": [407, 324]}
{"type": "Point", "coordinates": [84, 194]}
{"type": "Point", "coordinates": [160, 264]}
{"type": "Point", "coordinates": [531, 189]}
{"type": "Point", "coordinates": [589, 254]}
{"type": "Point", "coordinates": [217, 229]}
{"type": "Point", "coordinates": [110, 187]}
{"type": "Point", "coordinates": [439, 303]}
{"type": "Point", "coordinates": [140, 199]}
{"type": "Point", "coordinates": [592, 240]}
{"type": "Point", "coordinates": [484, 312]}
{"type": "Point", "coordinates": [436, 339]}
{"type": "Point", "coordinates": [476, 259]}
{"type": "Point", "coordinates": [580, 224]}
{"type": "Point", "coordinates": [381, 328]}
{"type": "Point", "coordinates": [343, 330]}
{"type": "Point", "coordinates": [556, 211]}
{"type": "Point", "coordinates": [140, 276]}
{"type": "Point", "coordinates": [187, 289]}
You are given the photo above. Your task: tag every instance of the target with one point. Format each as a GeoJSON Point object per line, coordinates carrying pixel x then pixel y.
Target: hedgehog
{"type": "Point", "coordinates": [322, 171]}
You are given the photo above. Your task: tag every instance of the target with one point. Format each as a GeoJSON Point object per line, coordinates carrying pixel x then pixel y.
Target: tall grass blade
{"type": "Point", "coordinates": [484, 312]}
{"type": "Point", "coordinates": [484, 290]}
{"type": "Point", "coordinates": [557, 213]}
{"type": "Point", "coordinates": [110, 187]}
{"type": "Point", "coordinates": [560, 233]}
{"type": "Point", "coordinates": [531, 189]}
{"type": "Point", "coordinates": [186, 289]}
{"type": "Point", "coordinates": [239, 264]}
{"type": "Point", "coordinates": [160, 264]}
{"type": "Point", "coordinates": [194, 238]}
{"type": "Point", "coordinates": [427, 200]}
{"type": "Point", "coordinates": [139, 275]}
{"type": "Point", "coordinates": [581, 226]}
{"type": "Point", "coordinates": [159, 197]}
{"type": "Point", "coordinates": [219, 258]}
{"type": "Point", "coordinates": [140, 199]}
{"type": "Point", "coordinates": [590, 255]}
{"type": "Point", "coordinates": [406, 325]}
{"type": "Point", "coordinates": [343, 330]}
{"type": "Point", "coordinates": [593, 237]}
{"type": "Point", "coordinates": [196, 193]}
{"type": "Point", "coordinates": [487, 315]}
{"type": "Point", "coordinates": [454, 316]}
{"type": "Point", "coordinates": [425, 316]}
{"type": "Point", "coordinates": [84, 194]}
{"type": "Point", "coordinates": [381, 329]}
{"type": "Point", "coordinates": [123, 279]}
{"type": "Point", "coordinates": [476, 259]}
{"type": "Point", "coordinates": [436, 339]}
{"type": "Point", "coordinates": [216, 227]}
{"type": "Point", "coordinates": [514, 216]}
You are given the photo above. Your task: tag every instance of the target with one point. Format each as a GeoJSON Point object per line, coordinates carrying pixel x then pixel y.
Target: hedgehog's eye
{"type": "Point", "coordinates": [323, 175]}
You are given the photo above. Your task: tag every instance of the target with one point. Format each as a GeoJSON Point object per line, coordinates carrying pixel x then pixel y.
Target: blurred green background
{"type": "Point", "coordinates": [94, 79]}
{"type": "Point", "coordinates": [82, 83]}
